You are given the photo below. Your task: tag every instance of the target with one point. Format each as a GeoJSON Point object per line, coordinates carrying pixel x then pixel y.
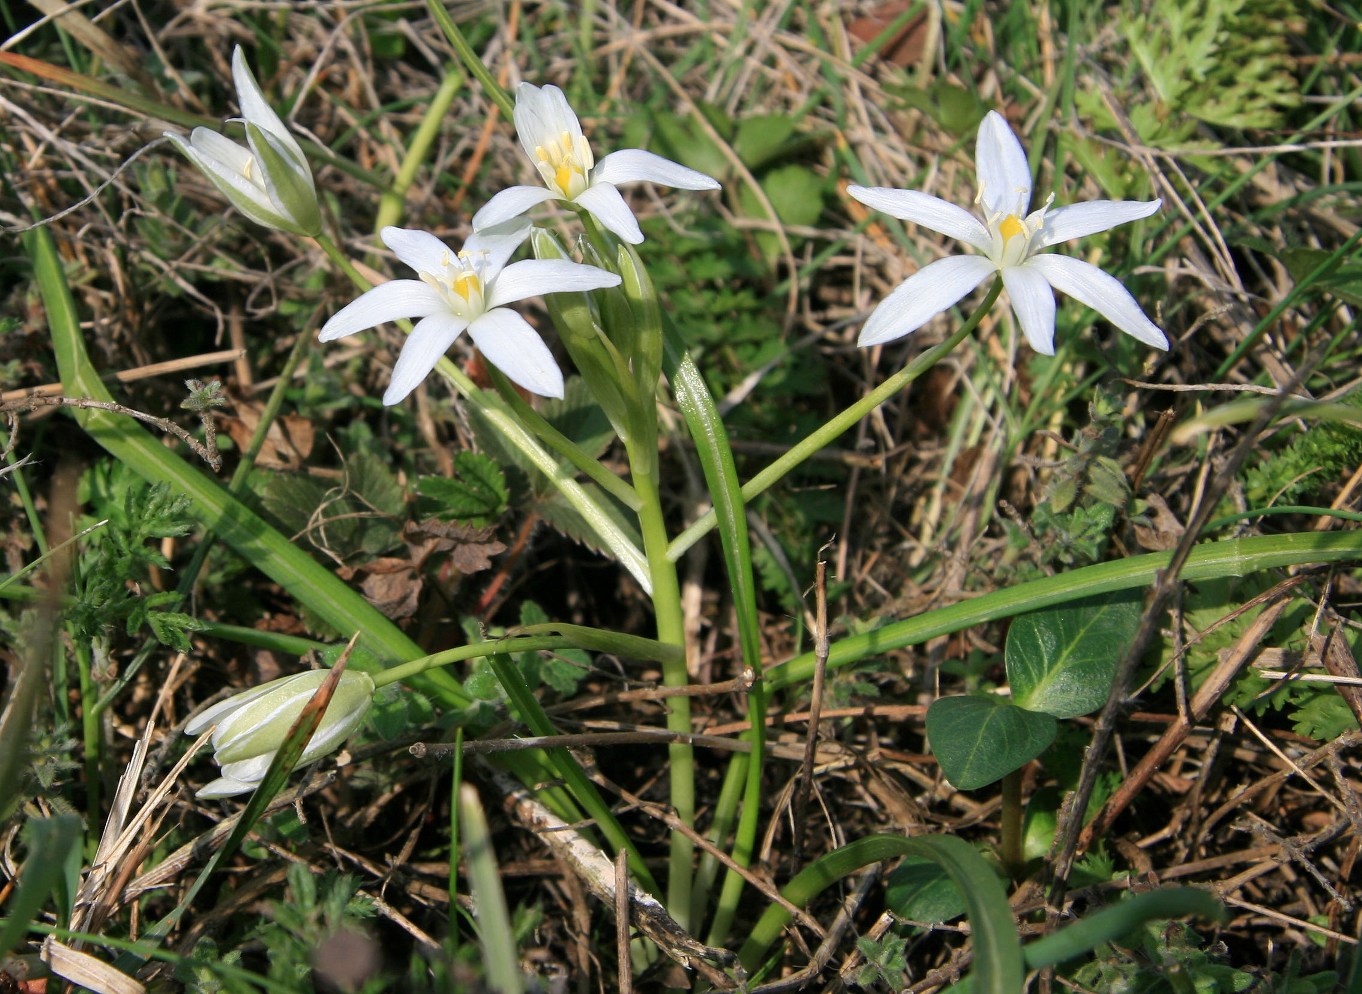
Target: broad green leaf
{"type": "Point", "coordinates": [759, 138]}
{"type": "Point", "coordinates": [1061, 660]}
{"type": "Point", "coordinates": [979, 740]}
{"type": "Point", "coordinates": [921, 890]}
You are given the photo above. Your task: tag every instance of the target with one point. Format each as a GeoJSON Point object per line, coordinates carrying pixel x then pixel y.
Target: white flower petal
{"type": "Point", "coordinates": [428, 341]}
{"type": "Point", "coordinates": [1102, 292]}
{"type": "Point", "coordinates": [245, 196]}
{"type": "Point", "coordinates": [924, 295]}
{"type": "Point", "coordinates": [250, 771]}
{"type": "Point", "coordinates": [533, 277]}
{"type": "Point", "coordinates": [930, 212]}
{"type": "Point", "coordinates": [510, 203]}
{"type": "Point", "coordinates": [254, 107]}
{"type": "Point", "coordinates": [225, 787]}
{"type": "Point", "coordinates": [1033, 301]}
{"type": "Point", "coordinates": [418, 250]}
{"type": "Point", "coordinates": [608, 207]}
{"type": "Point", "coordinates": [542, 116]}
{"type": "Point", "coordinates": [1000, 162]}
{"type": "Point", "coordinates": [635, 165]}
{"type": "Point", "coordinates": [385, 302]}
{"type": "Point", "coordinates": [508, 342]}
{"type": "Point", "coordinates": [497, 244]}
{"type": "Point", "coordinates": [1067, 223]}
{"type": "Point", "coordinates": [229, 154]}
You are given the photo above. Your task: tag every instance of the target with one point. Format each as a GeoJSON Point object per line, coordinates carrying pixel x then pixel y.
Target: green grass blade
{"type": "Point", "coordinates": [249, 535]}
{"type": "Point", "coordinates": [1119, 920]}
{"type": "Point", "coordinates": [998, 964]}
{"type": "Point", "coordinates": [1209, 561]}
{"type": "Point", "coordinates": [495, 935]}
{"type": "Point", "coordinates": [721, 478]}
{"type": "Point", "coordinates": [583, 791]}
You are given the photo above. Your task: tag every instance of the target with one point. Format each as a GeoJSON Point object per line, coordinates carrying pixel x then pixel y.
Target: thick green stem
{"type": "Point", "coordinates": [842, 422]}
{"type": "Point", "coordinates": [671, 630]}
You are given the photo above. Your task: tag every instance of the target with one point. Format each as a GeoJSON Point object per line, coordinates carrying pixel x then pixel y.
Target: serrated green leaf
{"type": "Point", "coordinates": [476, 494]}
{"type": "Point", "coordinates": [1061, 660]}
{"type": "Point", "coordinates": [979, 740]}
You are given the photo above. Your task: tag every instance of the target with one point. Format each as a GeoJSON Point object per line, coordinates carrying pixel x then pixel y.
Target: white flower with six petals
{"type": "Point", "coordinates": [552, 137]}
{"type": "Point", "coordinates": [1011, 242]}
{"type": "Point", "coordinates": [467, 290]}
{"type": "Point", "coordinates": [268, 180]}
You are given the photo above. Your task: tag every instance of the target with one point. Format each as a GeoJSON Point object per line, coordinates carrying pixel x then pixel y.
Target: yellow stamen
{"type": "Point", "coordinates": [1011, 226]}
{"type": "Point", "coordinates": [246, 169]}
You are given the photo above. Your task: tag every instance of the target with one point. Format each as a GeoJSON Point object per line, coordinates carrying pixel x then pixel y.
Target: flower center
{"type": "Point", "coordinates": [1014, 235]}
{"type": "Point", "coordinates": [565, 164]}
{"type": "Point", "coordinates": [460, 283]}
{"type": "Point", "coordinates": [252, 175]}
{"type": "Point", "coordinates": [1011, 227]}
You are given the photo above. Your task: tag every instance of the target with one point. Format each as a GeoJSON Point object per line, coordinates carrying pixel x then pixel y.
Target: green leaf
{"type": "Point", "coordinates": [476, 494]}
{"type": "Point", "coordinates": [796, 193]}
{"type": "Point", "coordinates": [979, 740]}
{"type": "Point", "coordinates": [1061, 660]}
{"type": "Point", "coordinates": [1343, 281]}
{"type": "Point", "coordinates": [50, 842]}
{"type": "Point", "coordinates": [997, 966]}
{"type": "Point", "coordinates": [921, 890]}
{"type": "Point", "coordinates": [761, 138]}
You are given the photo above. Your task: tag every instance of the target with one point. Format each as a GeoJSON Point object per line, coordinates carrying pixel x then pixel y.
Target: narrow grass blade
{"type": "Point", "coordinates": [1119, 920]}
{"type": "Point", "coordinates": [1211, 560]}
{"type": "Point", "coordinates": [495, 935]}
{"type": "Point", "coordinates": [50, 841]}
{"type": "Point", "coordinates": [721, 478]}
{"type": "Point", "coordinates": [998, 964]}
{"type": "Point", "coordinates": [248, 534]}
{"type": "Point", "coordinates": [567, 767]}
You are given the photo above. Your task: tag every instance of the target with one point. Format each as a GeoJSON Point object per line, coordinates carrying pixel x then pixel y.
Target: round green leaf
{"type": "Point", "coordinates": [979, 740]}
{"type": "Point", "coordinates": [1061, 660]}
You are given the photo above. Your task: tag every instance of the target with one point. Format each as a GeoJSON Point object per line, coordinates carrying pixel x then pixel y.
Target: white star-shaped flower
{"type": "Point", "coordinates": [467, 290]}
{"type": "Point", "coordinates": [552, 138]}
{"type": "Point", "coordinates": [1011, 242]}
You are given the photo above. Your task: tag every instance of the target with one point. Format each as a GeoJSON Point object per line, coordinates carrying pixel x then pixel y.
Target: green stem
{"type": "Point", "coordinates": [671, 630]}
{"type": "Point", "coordinates": [494, 412]}
{"type": "Point", "coordinates": [471, 60]}
{"type": "Point", "coordinates": [1208, 561]}
{"type": "Point", "coordinates": [567, 637]}
{"type": "Point", "coordinates": [563, 445]}
{"type": "Point", "coordinates": [842, 422]}
{"type": "Point", "coordinates": [1011, 845]}
{"type": "Point", "coordinates": [390, 206]}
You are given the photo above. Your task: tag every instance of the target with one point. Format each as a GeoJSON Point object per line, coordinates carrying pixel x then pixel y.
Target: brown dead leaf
{"type": "Point", "coordinates": [392, 585]}
{"type": "Point", "coordinates": [1166, 531]}
{"type": "Point", "coordinates": [906, 46]}
{"type": "Point", "coordinates": [469, 549]}
{"type": "Point", "coordinates": [287, 444]}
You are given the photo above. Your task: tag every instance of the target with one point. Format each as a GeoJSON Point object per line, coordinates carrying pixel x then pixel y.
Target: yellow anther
{"type": "Point", "coordinates": [246, 169]}
{"type": "Point", "coordinates": [1010, 227]}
